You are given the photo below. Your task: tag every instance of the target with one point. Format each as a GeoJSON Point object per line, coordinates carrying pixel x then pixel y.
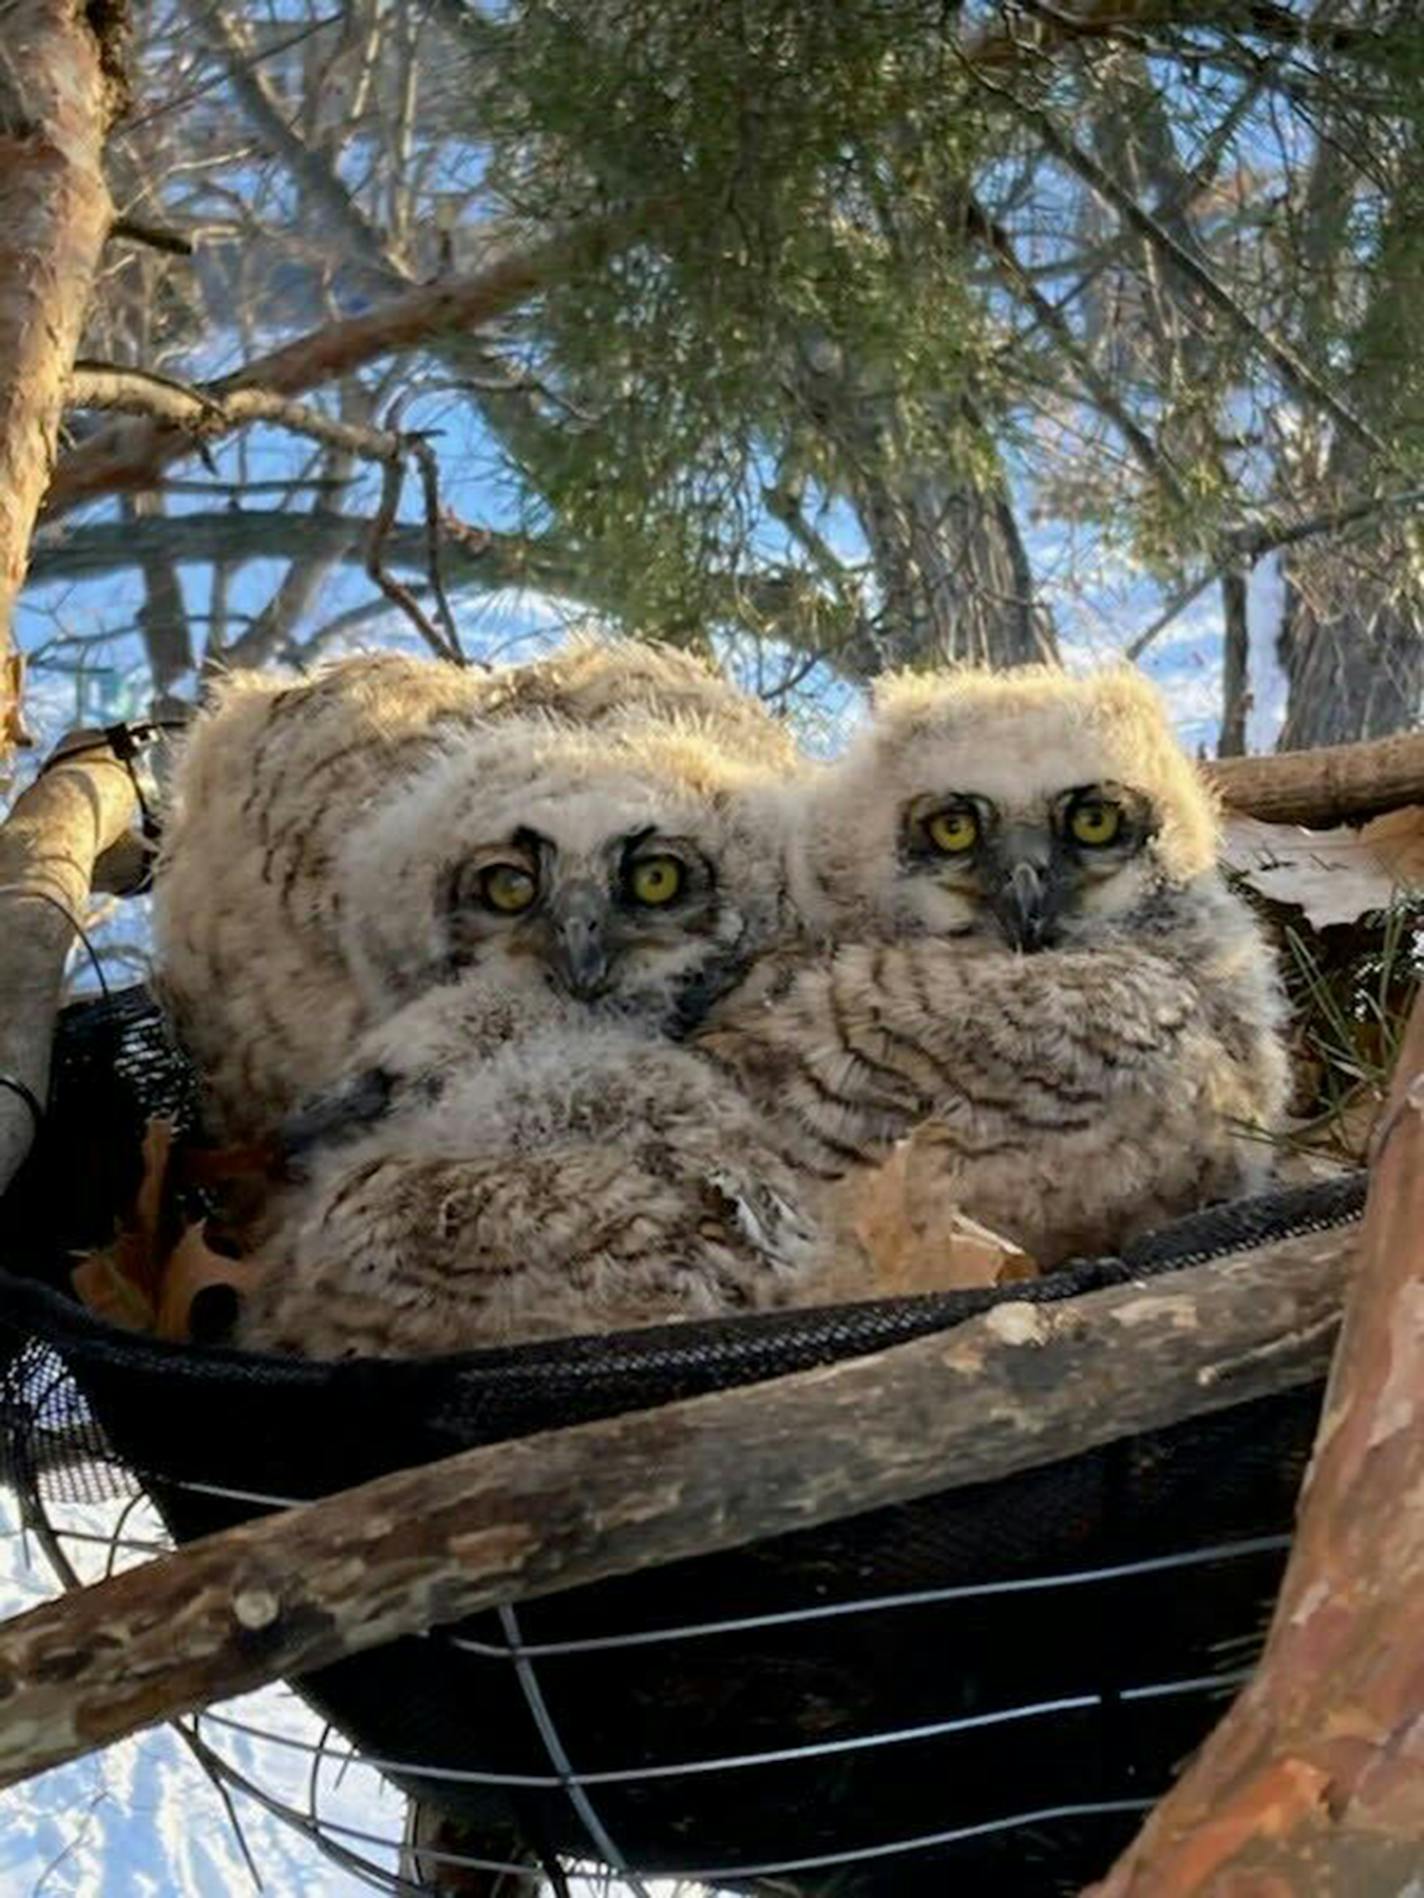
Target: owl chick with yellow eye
{"type": "Point", "coordinates": [520, 1146]}
{"type": "Point", "coordinates": [1029, 955]}
{"type": "Point", "coordinates": [272, 778]}
{"type": "Point", "coordinates": [637, 874]}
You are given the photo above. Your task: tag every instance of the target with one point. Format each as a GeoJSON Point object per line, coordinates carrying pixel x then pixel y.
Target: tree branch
{"type": "Point", "coordinates": [1098, 387]}
{"type": "Point", "coordinates": [49, 843]}
{"type": "Point", "coordinates": [1263, 537]}
{"type": "Point", "coordinates": [1297, 375]}
{"type": "Point", "coordinates": [362, 243]}
{"type": "Point", "coordinates": [58, 92]}
{"type": "Point", "coordinates": [298, 1590]}
{"type": "Point", "coordinates": [207, 412]}
{"type": "Point", "coordinates": [473, 556]}
{"type": "Point", "coordinates": [134, 455]}
{"type": "Point", "coordinates": [1336, 784]}
{"type": "Point", "coordinates": [1314, 1781]}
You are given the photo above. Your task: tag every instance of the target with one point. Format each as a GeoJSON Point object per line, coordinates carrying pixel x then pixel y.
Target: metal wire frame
{"type": "Point", "coordinates": [49, 1395]}
{"type": "Point", "coordinates": [331, 1835]}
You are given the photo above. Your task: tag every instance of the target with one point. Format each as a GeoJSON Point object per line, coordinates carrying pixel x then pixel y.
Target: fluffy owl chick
{"type": "Point", "coordinates": [271, 778]}
{"type": "Point", "coordinates": [1030, 952]}
{"type": "Point", "coordinates": [636, 873]}
{"type": "Point", "coordinates": [585, 1178]}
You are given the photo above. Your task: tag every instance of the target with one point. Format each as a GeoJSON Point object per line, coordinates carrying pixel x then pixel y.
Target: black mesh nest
{"type": "Point", "coordinates": [979, 1692]}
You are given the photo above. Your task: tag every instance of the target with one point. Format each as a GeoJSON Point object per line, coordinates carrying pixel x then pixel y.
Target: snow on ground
{"type": "Point", "coordinates": [142, 1820]}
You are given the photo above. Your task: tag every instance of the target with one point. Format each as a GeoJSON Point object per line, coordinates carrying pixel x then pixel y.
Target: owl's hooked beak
{"type": "Point", "coordinates": [1025, 905]}
{"type": "Point", "coordinates": [580, 949]}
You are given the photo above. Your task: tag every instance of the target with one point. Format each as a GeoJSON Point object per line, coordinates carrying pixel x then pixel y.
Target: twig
{"type": "Point", "coordinates": [424, 456]}
{"type": "Point", "coordinates": [294, 1591]}
{"type": "Point", "coordinates": [1296, 374]}
{"type": "Point", "coordinates": [1264, 537]}
{"type": "Point", "coordinates": [400, 595]}
{"type": "Point", "coordinates": [153, 236]}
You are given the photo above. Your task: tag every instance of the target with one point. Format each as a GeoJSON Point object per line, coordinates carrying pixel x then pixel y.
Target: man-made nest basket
{"type": "Point", "coordinates": [978, 1692]}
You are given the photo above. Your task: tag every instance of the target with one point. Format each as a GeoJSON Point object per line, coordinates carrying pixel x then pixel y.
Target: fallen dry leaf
{"type": "Point", "coordinates": [149, 1276]}
{"type": "Point", "coordinates": [104, 1282]}
{"type": "Point", "coordinates": [193, 1267]}
{"type": "Point", "coordinates": [913, 1234]}
{"type": "Point", "coordinates": [1335, 876]}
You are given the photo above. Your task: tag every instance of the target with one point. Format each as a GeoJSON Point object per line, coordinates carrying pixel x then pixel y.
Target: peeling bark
{"type": "Point", "coordinates": [1314, 1782]}
{"type": "Point", "coordinates": [1022, 1385]}
{"type": "Point", "coordinates": [58, 95]}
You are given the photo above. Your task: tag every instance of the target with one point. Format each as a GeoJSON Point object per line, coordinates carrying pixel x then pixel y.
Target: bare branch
{"type": "Point", "coordinates": [152, 236]}
{"type": "Point", "coordinates": [399, 595]}
{"type": "Point", "coordinates": [1263, 537]}
{"type": "Point", "coordinates": [133, 455]}
{"type": "Point", "coordinates": [73, 812]}
{"type": "Point", "coordinates": [209, 412]}
{"type": "Point", "coordinates": [1334, 784]}
{"type": "Point", "coordinates": [1154, 462]}
{"type": "Point", "coordinates": [1296, 374]}
{"type": "Point", "coordinates": [471, 556]}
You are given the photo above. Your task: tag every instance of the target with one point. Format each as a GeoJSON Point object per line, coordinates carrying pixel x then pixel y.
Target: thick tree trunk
{"type": "Point", "coordinates": [1314, 1782]}
{"type": "Point", "coordinates": [954, 579]}
{"type": "Point", "coordinates": [58, 93]}
{"type": "Point", "coordinates": [296, 1590]}
{"type": "Point", "coordinates": [1352, 642]}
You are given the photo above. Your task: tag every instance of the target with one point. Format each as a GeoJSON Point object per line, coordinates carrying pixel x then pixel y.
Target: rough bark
{"type": "Point", "coordinates": [1353, 641]}
{"type": "Point", "coordinates": [1314, 1782]}
{"type": "Point", "coordinates": [58, 94]}
{"type": "Point", "coordinates": [1338, 784]}
{"type": "Point", "coordinates": [48, 846]}
{"type": "Point", "coordinates": [1021, 1385]}
{"type": "Point", "coordinates": [952, 573]}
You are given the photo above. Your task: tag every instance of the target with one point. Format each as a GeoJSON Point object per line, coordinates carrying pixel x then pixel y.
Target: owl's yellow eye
{"type": "Point", "coordinates": [655, 880]}
{"type": "Point", "coordinates": [953, 832]}
{"type": "Point", "coordinates": [508, 888]}
{"type": "Point", "coordinates": [1095, 822]}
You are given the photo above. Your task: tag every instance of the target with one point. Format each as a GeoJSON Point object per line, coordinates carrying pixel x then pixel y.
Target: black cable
{"type": "Point", "coordinates": [44, 896]}
{"type": "Point", "coordinates": [14, 1085]}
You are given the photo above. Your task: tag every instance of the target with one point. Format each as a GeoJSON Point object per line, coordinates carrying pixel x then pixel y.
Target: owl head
{"type": "Point", "coordinates": [634, 872]}
{"type": "Point", "coordinates": [1020, 809]}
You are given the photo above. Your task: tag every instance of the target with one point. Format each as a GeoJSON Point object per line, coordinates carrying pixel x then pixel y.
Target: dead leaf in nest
{"type": "Point", "coordinates": [1335, 876]}
{"type": "Point", "coordinates": [120, 1281]}
{"type": "Point", "coordinates": [149, 1277]}
{"type": "Point", "coordinates": [194, 1267]}
{"type": "Point", "coordinates": [104, 1283]}
{"type": "Point", "coordinates": [914, 1234]}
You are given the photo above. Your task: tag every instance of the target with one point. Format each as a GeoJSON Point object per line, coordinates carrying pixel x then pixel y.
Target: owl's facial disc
{"type": "Point", "coordinates": [1022, 874]}
{"type": "Point", "coordinates": [626, 919]}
